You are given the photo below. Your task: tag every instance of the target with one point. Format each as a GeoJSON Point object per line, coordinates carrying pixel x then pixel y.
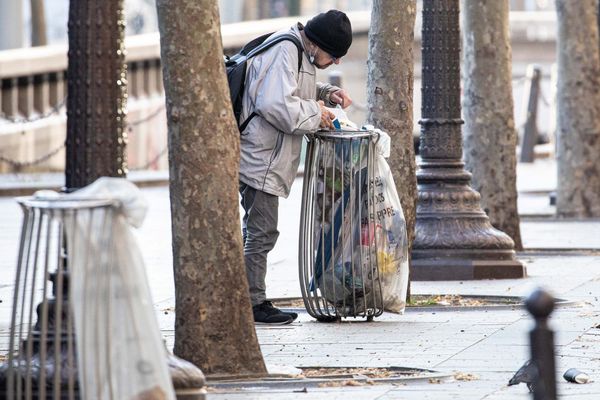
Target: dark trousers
{"type": "Point", "coordinates": [259, 230]}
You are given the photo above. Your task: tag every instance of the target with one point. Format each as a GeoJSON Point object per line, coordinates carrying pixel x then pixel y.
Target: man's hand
{"type": "Point", "coordinates": [327, 116]}
{"type": "Point", "coordinates": [340, 97]}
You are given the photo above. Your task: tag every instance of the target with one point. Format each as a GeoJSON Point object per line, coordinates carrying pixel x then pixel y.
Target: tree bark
{"type": "Point", "coordinates": [214, 327]}
{"type": "Point", "coordinates": [489, 134]}
{"type": "Point", "coordinates": [390, 84]}
{"type": "Point", "coordinates": [578, 103]}
{"type": "Point", "coordinates": [96, 104]}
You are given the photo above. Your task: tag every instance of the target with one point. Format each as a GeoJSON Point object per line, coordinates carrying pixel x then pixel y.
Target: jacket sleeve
{"type": "Point", "coordinates": [276, 100]}
{"type": "Point", "coordinates": [324, 91]}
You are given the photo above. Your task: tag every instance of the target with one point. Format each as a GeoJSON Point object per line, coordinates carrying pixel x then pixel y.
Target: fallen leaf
{"type": "Point", "coordinates": [464, 376]}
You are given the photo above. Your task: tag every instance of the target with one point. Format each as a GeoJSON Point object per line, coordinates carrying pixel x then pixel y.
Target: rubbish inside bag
{"type": "Point", "coordinates": [341, 121]}
{"type": "Point", "coordinates": [361, 254]}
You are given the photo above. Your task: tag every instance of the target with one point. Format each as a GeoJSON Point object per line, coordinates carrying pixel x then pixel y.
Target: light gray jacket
{"type": "Point", "coordinates": [286, 105]}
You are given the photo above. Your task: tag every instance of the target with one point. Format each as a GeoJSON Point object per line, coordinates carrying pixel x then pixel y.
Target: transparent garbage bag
{"type": "Point", "coordinates": [390, 239]}
{"type": "Point", "coordinates": [349, 277]}
{"type": "Point", "coordinates": [390, 229]}
{"type": "Point", "coordinates": [120, 352]}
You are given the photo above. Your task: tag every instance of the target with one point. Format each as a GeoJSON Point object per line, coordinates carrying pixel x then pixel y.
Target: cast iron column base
{"type": "Point", "coordinates": [454, 238]}
{"type": "Point", "coordinates": [447, 268]}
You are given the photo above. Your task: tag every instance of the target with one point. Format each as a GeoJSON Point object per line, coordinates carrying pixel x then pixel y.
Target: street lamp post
{"type": "Point", "coordinates": [97, 93]}
{"type": "Point", "coordinates": [454, 237]}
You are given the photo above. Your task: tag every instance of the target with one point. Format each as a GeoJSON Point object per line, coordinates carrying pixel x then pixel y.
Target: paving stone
{"type": "Point", "coordinates": [489, 343]}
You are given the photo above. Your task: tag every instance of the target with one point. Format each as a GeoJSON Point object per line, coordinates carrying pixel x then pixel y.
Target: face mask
{"type": "Point", "coordinates": [312, 57]}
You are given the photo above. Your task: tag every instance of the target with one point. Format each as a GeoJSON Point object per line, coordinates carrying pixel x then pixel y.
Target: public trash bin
{"type": "Point", "coordinates": [92, 333]}
{"type": "Point", "coordinates": [339, 275]}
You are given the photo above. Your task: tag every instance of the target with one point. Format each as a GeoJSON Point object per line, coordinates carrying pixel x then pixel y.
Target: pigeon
{"type": "Point", "coordinates": [526, 374]}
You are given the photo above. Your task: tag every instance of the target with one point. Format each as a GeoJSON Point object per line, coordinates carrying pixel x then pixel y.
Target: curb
{"type": "Point", "coordinates": [282, 382]}
{"type": "Point", "coordinates": [519, 304]}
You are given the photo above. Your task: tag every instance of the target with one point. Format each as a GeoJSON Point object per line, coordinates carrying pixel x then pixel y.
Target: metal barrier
{"type": "Point", "coordinates": [530, 132]}
{"type": "Point", "coordinates": [338, 270]}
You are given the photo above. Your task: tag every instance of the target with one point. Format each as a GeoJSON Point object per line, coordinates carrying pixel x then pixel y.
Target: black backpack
{"type": "Point", "coordinates": [236, 69]}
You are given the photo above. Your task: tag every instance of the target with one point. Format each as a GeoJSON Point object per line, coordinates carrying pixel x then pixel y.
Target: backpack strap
{"type": "Point", "coordinates": [254, 43]}
{"type": "Point", "coordinates": [247, 121]}
{"type": "Point", "coordinates": [264, 46]}
{"type": "Point", "coordinates": [270, 43]}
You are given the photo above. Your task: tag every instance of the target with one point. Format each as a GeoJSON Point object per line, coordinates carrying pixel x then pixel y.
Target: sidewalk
{"type": "Point", "coordinates": [489, 344]}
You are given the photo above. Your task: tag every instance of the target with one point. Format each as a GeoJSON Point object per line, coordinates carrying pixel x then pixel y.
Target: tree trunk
{"type": "Point", "coordinates": [96, 104]}
{"type": "Point", "coordinates": [578, 102]}
{"type": "Point", "coordinates": [390, 94]}
{"type": "Point", "coordinates": [38, 23]}
{"type": "Point", "coordinates": [214, 327]}
{"type": "Point", "coordinates": [490, 138]}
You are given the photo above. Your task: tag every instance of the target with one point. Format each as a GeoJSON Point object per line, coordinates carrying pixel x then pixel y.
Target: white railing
{"type": "Point", "coordinates": [33, 88]}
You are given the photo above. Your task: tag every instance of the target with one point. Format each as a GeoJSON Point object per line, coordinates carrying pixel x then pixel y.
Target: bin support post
{"type": "Point", "coordinates": [454, 237]}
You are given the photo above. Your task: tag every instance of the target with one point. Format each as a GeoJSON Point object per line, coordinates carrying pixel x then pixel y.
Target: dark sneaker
{"type": "Point", "coordinates": [291, 314]}
{"type": "Point", "coordinates": [265, 313]}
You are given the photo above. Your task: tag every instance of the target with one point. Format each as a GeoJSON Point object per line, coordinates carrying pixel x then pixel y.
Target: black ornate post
{"type": "Point", "coordinates": [97, 92]}
{"type": "Point", "coordinates": [540, 305]}
{"type": "Point", "coordinates": [454, 237]}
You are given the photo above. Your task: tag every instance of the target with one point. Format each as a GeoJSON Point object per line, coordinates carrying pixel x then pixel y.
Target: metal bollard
{"type": "Point", "coordinates": [335, 78]}
{"type": "Point", "coordinates": [540, 305]}
{"type": "Point", "coordinates": [530, 131]}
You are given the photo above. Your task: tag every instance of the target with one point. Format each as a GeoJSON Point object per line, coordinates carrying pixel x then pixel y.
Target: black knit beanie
{"type": "Point", "coordinates": [331, 31]}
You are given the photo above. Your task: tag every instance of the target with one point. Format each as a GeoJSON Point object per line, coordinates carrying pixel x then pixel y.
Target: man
{"type": "Point", "coordinates": [288, 104]}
